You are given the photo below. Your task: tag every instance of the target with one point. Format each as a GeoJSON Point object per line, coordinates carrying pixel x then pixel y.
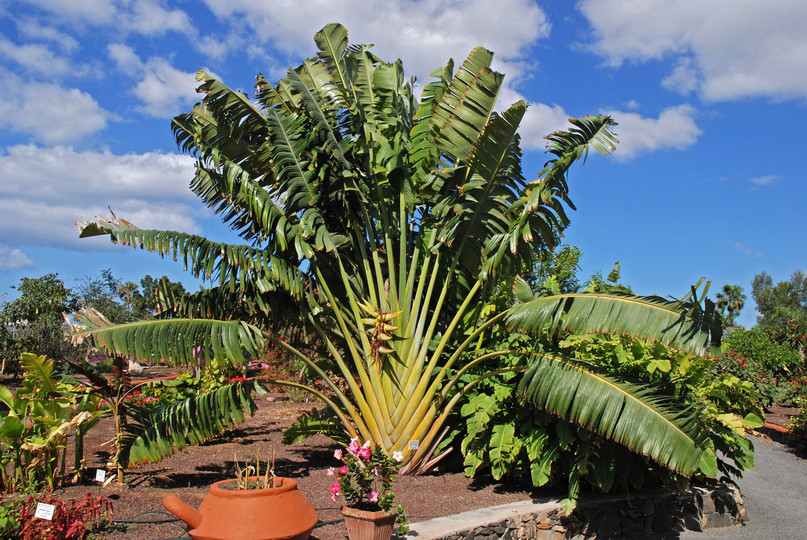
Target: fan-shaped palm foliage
{"type": "Point", "coordinates": [385, 223]}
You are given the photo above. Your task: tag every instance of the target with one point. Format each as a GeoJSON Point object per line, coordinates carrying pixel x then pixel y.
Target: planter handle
{"type": "Point", "coordinates": [183, 511]}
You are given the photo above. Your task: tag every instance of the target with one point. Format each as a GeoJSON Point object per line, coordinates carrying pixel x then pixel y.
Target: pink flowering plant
{"type": "Point", "coordinates": [365, 479]}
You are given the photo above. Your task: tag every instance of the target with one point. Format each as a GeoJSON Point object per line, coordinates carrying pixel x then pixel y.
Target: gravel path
{"type": "Point", "coordinates": [775, 494]}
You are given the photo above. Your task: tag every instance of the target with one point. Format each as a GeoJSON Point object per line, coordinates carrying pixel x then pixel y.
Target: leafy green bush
{"type": "Point", "coordinates": [774, 369]}
{"type": "Point", "coordinates": [757, 345]}
{"type": "Point", "coordinates": [213, 376]}
{"type": "Point", "coordinates": [35, 428]}
{"type": "Point", "coordinates": [799, 424]}
{"type": "Point", "coordinates": [9, 518]}
{"type": "Point", "coordinates": [501, 435]}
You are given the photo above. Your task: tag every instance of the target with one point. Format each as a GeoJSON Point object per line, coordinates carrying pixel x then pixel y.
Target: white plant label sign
{"type": "Point", "coordinates": [44, 511]}
{"type": "Point", "coordinates": [414, 445]}
{"type": "Point", "coordinates": [100, 475]}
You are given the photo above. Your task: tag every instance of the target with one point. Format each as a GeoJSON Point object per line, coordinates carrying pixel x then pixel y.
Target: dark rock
{"type": "Point", "coordinates": [663, 521]}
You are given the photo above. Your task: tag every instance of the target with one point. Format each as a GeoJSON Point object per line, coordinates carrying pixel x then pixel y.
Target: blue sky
{"type": "Point", "coordinates": [710, 98]}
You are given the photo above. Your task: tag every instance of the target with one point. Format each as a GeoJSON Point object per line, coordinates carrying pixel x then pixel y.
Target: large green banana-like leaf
{"type": "Point", "coordinates": [154, 434]}
{"type": "Point", "coordinates": [478, 210]}
{"type": "Point", "coordinates": [205, 259]}
{"type": "Point", "coordinates": [234, 194]}
{"type": "Point", "coordinates": [318, 109]}
{"type": "Point", "coordinates": [633, 416]}
{"type": "Point", "coordinates": [173, 340]}
{"type": "Point", "coordinates": [235, 116]}
{"type": "Point", "coordinates": [649, 317]}
{"type": "Point", "coordinates": [316, 422]}
{"type": "Point", "coordinates": [466, 108]}
{"type": "Point", "coordinates": [332, 43]}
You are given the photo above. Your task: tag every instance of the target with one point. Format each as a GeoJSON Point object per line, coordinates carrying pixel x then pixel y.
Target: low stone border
{"type": "Point", "coordinates": [643, 515]}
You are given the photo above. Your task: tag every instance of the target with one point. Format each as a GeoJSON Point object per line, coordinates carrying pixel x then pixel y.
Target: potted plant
{"type": "Point", "coordinates": [250, 507]}
{"type": "Point", "coordinates": [365, 480]}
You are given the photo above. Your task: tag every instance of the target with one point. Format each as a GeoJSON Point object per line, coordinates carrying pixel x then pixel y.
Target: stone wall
{"type": "Point", "coordinates": [640, 516]}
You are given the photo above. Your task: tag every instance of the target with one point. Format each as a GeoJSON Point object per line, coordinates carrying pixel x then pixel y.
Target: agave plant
{"type": "Point", "coordinates": [385, 223]}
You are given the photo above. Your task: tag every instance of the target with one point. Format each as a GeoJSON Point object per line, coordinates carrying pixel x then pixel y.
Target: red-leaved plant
{"type": "Point", "coordinates": [70, 518]}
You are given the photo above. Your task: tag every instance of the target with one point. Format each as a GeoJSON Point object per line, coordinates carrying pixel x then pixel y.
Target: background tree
{"type": "Point", "coordinates": [556, 271]}
{"type": "Point", "coordinates": [33, 321]}
{"type": "Point", "coordinates": [783, 309]}
{"type": "Point", "coordinates": [103, 293]}
{"type": "Point", "coordinates": [730, 302]}
{"type": "Point", "coordinates": [610, 283]}
{"type": "Point", "coordinates": [147, 299]}
{"type": "Point", "coordinates": [386, 224]}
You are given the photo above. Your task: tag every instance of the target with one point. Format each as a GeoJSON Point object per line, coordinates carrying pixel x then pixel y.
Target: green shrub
{"type": "Point", "coordinates": [758, 346]}
{"type": "Point", "coordinates": [775, 370]}
{"type": "Point", "coordinates": [799, 423]}
{"type": "Point", "coordinates": [213, 376]}
{"type": "Point", "coordinates": [499, 434]}
{"type": "Point", "coordinates": [9, 518]}
{"type": "Point", "coordinates": [35, 427]}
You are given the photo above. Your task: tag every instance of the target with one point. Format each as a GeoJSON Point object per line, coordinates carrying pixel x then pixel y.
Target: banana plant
{"type": "Point", "coordinates": [384, 223]}
{"type": "Point", "coordinates": [35, 425]}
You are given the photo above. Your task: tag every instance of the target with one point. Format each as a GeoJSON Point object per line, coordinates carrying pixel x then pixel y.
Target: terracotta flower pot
{"type": "Point", "coordinates": [366, 525]}
{"type": "Point", "coordinates": [278, 513]}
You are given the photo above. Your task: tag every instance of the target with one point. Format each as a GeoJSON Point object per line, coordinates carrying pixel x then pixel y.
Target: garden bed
{"type": "Point", "coordinates": [188, 474]}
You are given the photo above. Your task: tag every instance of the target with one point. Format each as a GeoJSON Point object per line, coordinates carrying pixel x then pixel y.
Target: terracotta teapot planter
{"type": "Point", "coordinates": [277, 513]}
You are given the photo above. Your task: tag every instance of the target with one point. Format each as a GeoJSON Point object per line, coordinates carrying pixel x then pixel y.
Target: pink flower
{"type": "Point", "coordinates": [330, 471]}
{"type": "Point", "coordinates": [342, 470]}
{"type": "Point", "coordinates": [397, 456]}
{"type": "Point", "coordinates": [336, 488]}
{"type": "Point", "coordinates": [353, 447]}
{"type": "Point", "coordinates": [338, 454]}
{"type": "Point", "coordinates": [372, 496]}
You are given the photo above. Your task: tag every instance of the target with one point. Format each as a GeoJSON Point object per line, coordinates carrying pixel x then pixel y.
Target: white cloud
{"type": "Point", "coordinates": [49, 112]}
{"type": "Point", "coordinates": [674, 128]}
{"type": "Point", "coordinates": [747, 251]}
{"type": "Point", "coordinates": [92, 11]}
{"type": "Point", "coordinates": [147, 17]}
{"type": "Point", "coordinates": [13, 259]}
{"type": "Point", "coordinates": [764, 180]}
{"type": "Point", "coordinates": [423, 33]}
{"type": "Point", "coordinates": [162, 88]}
{"type": "Point", "coordinates": [33, 29]}
{"type": "Point", "coordinates": [46, 190]}
{"type": "Point", "coordinates": [733, 48]}
{"type": "Point", "coordinates": [124, 57]}
{"type": "Point", "coordinates": [684, 79]}
{"type": "Point", "coordinates": [34, 57]}
{"type": "Point", "coordinates": [539, 121]}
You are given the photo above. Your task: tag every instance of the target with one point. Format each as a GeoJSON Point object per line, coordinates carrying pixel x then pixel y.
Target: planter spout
{"type": "Point", "coordinates": [190, 515]}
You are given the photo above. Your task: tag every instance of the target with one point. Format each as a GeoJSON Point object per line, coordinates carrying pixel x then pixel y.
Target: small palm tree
{"type": "Point", "coordinates": [385, 224]}
{"type": "Point", "coordinates": [731, 300]}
